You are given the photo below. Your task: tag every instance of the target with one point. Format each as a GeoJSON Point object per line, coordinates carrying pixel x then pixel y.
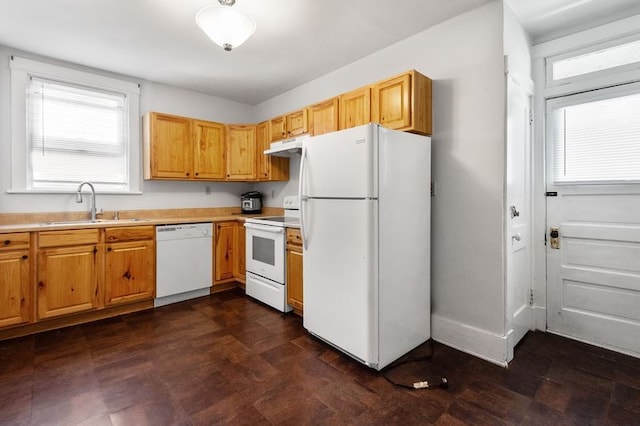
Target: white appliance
{"type": "Point", "coordinates": [265, 251]}
{"type": "Point", "coordinates": [365, 224]}
{"type": "Point", "coordinates": [184, 254]}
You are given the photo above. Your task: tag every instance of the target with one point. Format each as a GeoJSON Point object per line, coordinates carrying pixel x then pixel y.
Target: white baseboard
{"type": "Point", "coordinates": [472, 340]}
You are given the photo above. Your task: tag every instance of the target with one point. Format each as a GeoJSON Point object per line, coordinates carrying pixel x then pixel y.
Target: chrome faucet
{"type": "Point", "coordinates": [93, 198]}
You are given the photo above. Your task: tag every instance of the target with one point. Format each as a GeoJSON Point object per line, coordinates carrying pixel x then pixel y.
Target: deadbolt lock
{"type": "Point", "coordinates": [554, 238]}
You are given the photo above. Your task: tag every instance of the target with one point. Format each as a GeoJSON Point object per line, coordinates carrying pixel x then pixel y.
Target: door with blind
{"type": "Point", "coordinates": [593, 217]}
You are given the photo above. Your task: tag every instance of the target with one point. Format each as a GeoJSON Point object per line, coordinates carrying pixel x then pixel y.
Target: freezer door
{"type": "Point", "coordinates": [341, 164]}
{"type": "Point", "coordinates": [340, 275]}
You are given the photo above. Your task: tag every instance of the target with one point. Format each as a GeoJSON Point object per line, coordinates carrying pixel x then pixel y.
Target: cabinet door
{"type": "Point", "coordinates": [241, 152]}
{"type": "Point", "coordinates": [355, 108]}
{"type": "Point", "coordinates": [67, 280]}
{"type": "Point", "coordinates": [297, 123]}
{"type": "Point", "coordinates": [14, 287]}
{"type": "Point", "coordinates": [223, 251]}
{"type": "Point", "coordinates": [208, 150]}
{"type": "Point", "coordinates": [269, 168]}
{"type": "Point", "coordinates": [240, 264]}
{"type": "Point", "coordinates": [170, 147]}
{"type": "Point", "coordinates": [129, 272]}
{"type": "Point", "coordinates": [392, 102]}
{"type": "Point", "coordinates": [294, 278]}
{"type": "Point", "coordinates": [324, 117]}
{"type": "Point", "coordinates": [278, 128]}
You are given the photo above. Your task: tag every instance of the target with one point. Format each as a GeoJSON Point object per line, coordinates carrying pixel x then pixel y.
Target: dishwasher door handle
{"type": "Point", "coordinates": [264, 228]}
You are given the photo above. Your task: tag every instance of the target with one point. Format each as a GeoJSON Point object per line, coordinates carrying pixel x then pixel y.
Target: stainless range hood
{"type": "Point", "coordinates": [287, 148]}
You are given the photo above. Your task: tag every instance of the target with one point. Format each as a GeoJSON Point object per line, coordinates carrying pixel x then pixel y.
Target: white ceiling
{"type": "Point", "coordinates": [295, 42]}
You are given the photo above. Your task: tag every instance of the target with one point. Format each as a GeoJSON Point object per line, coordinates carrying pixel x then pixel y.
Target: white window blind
{"type": "Point", "coordinates": [596, 137]}
{"type": "Point", "coordinates": [76, 134]}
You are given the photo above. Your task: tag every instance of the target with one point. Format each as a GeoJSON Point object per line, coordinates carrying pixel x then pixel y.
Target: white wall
{"type": "Point", "coordinates": [156, 194]}
{"type": "Point", "coordinates": [464, 57]}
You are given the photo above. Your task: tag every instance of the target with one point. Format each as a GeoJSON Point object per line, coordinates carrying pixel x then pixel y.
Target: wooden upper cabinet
{"type": "Point", "coordinates": [269, 168]}
{"type": "Point", "coordinates": [168, 146]}
{"type": "Point", "coordinates": [403, 103]}
{"type": "Point", "coordinates": [289, 125]}
{"type": "Point", "coordinates": [241, 152]}
{"type": "Point", "coordinates": [297, 123]}
{"type": "Point", "coordinates": [208, 150]}
{"type": "Point", "coordinates": [355, 108]}
{"type": "Point", "coordinates": [323, 117]}
{"type": "Point", "coordinates": [278, 128]}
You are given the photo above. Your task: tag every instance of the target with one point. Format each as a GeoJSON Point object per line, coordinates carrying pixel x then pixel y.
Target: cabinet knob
{"type": "Point", "coordinates": [25, 257]}
{"type": "Point", "coordinates": [7, 242]}
{"type": "Point", "coordinates": [187, 173]}
{"type": "Point", "coordinates": [196, 173]}
{"type": "Point", "coordinates": [109, 249]}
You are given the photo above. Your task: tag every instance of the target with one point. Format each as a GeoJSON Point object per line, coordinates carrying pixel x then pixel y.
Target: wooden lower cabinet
{"type": "Point", "coordinates": [130, 264]}
{"type": "Point", "coordinates": [229, 253]}
{"type": "Point", "coordinates": [223, 252]}
{"type": "Point", "coordinates": [294, 270]}
{"type": "Point", "coordinates": [15, 267]}
{"type": "Point", "coordinates": [68, 279]}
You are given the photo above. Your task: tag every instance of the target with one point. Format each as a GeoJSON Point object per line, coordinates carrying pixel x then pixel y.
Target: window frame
{"type": "Point", "coordinates": [21, 72]}
{"type": "Point", "coordinates": [597, 94]}
{"type": "Point", "coordinates": [590, 76]}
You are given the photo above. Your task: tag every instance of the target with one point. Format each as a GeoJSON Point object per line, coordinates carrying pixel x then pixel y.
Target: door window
{"type": "Point", "coordinates": [596, 136]}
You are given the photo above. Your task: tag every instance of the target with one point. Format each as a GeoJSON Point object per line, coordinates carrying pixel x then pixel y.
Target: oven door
{"type": "Point", "coordinates": [265, 251]}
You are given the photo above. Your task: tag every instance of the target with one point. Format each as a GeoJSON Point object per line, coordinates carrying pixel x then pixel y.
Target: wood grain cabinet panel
{"type": "Point", "coordinates": [403, 103]}
{"type": "Point", "coordinates": [294, 270]}
{"type": "Point", "coordinates": [355, 108]}
{"type": "Point", "coordinates": [241, 152]}
{"type": "Point", "coordinates": [129, 264]}
{"type": "Point", "coordinates": [15, 300]}
{"type": "Point", "coordinates": [269, 168]}
{"type": "Point", "coordinates": [209, 150]}
{"type": "Point", "coordinates": [223, 252]}
{"type": "Point", "coordinates": [168, 146]}
{"type": "Point", "coordinates": [68, 280]}
{"type": "Point", "coordinates": [323, 117]}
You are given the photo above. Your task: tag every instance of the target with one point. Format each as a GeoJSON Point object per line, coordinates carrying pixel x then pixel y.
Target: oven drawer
{"type": "Point", "coordinates": [267, 291]}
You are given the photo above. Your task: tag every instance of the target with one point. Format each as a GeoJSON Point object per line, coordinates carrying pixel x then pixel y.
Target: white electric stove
{"type": "Point", "coordinates": [265, 261]}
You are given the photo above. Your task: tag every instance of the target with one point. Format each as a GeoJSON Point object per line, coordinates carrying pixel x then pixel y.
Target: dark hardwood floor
{"type": "Point", "coordinates": [227, 359]}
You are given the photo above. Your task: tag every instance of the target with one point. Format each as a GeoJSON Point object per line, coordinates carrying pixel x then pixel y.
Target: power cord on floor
{"type": "Point", "coordinates": [443, 383]}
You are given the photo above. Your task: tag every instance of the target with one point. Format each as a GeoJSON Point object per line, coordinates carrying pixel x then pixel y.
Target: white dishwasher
{"type": "Point", "coordinates": [184, 255]}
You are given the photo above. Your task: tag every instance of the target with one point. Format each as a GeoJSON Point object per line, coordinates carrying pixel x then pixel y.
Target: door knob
{"type": "Point", "coordinates": [554, 240]}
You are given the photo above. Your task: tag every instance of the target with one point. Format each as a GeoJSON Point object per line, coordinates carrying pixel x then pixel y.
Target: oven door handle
{"type": "Point", "coordinates": [264, 228]}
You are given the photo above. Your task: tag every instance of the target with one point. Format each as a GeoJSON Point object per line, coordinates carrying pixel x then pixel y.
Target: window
{"type": "Point", "coordinates": [72, 126]}
{"type": "Point", "coordinates": [602, 59]}
{"type": "Point", "coordinates": [596, 136]}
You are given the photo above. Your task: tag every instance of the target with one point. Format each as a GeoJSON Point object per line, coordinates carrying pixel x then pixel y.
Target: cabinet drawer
{"type": "Point", "coordinates": [129, 233]}
{"type": "Point", "coordinates": [68, 238]}
{"type": "Point", "coordinates": [294, 237]}
{"type": "Point", "coordinates": [16, 240]}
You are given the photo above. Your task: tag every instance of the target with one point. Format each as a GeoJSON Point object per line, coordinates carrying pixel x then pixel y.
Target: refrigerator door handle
{"type": "Point", "coordinates": [303, 198]}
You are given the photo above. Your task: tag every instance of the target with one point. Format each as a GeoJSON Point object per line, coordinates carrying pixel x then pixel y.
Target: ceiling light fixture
{"type": "Point", "coordinates": [226, 26]}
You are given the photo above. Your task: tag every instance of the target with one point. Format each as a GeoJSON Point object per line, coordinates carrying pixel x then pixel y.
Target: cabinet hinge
{"type": "Point", "coordinates": [530, 118]}
{"type": "Point", "coordinates": [530, 297]}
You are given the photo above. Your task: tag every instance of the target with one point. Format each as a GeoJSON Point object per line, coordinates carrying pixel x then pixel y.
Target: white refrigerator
{"type": "Point", "coordinates": [365, 222]}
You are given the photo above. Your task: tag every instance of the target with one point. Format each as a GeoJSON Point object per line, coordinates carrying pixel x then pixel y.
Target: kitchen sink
{"type": "Point", "coordinates": [89, 221]}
